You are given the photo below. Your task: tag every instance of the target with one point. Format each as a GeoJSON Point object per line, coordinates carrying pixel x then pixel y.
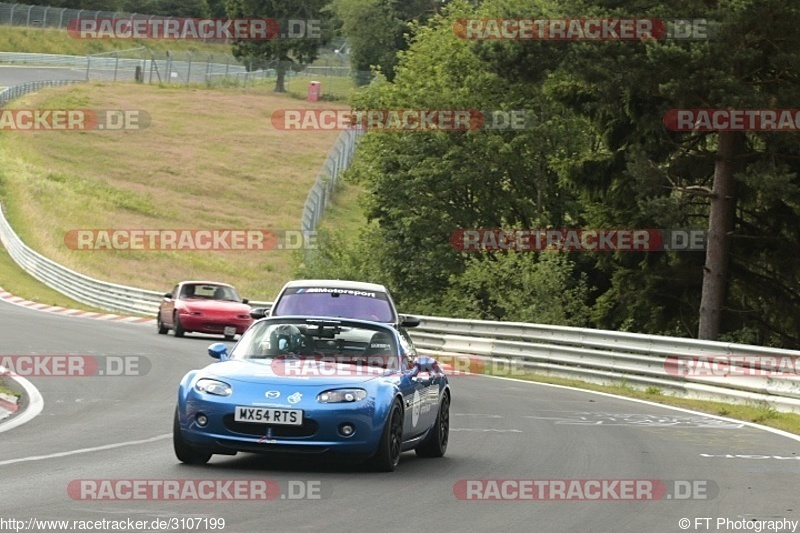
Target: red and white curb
{"type": "Point", "coordinates": [16, 300]}
{"type": "Point", "coordinates": [8, 405]}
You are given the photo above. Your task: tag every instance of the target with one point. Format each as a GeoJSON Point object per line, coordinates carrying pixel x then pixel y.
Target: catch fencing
{"type": "Point", "coordinates": [328, 178]}
{"type": "Point", "coordinates": [52, 17]}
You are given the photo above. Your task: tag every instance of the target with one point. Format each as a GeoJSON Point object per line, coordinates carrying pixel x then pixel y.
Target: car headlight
{"type": "Point", "coordinates": [342, 396]}
{"type": "Point", "coordinates": [212, 386]}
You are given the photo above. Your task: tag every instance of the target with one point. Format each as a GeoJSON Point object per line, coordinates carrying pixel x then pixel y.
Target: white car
{"type": "Point", "coordinates": [340, 299]}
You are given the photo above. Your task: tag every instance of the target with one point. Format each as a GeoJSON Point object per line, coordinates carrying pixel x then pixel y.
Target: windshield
{"type": "Point", "coordinates": [343, 303]}
{"type": "Point", "coordinates": [208, 291]}
{"type": "Point", "coordinates": [338, 341]}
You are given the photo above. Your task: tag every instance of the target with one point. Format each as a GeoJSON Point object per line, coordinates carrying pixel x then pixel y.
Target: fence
{"type": "Point", "coordinates": [52, 17]}
{"type": "Point", "coordinates": [212, 69]}
{"type": "Point", "coordinates": [327, 179]}
{"type": "Point", "coordinates": [175, 67]}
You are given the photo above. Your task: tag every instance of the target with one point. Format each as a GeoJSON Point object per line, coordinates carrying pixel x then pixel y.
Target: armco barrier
{"type": "Point", "coordinates": [20, 90]}
{"type": "Point", "coordinates": [609, 356]}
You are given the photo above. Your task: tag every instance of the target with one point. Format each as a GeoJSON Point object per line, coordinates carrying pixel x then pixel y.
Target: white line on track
{"type": "Point", "coordinates": [85, 450]}
{"type": "Point", "coordinates": [656, 404]}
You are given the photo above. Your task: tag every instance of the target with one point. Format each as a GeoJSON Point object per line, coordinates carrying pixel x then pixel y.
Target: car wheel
{"type": "Point", "coordinates": [435, 444]}
{"type": "Point", "coordinates": [185, 452]}
{"type": "Point", "coordinates": [176, 321]}
{"type": "Point", "coordinates": [387, 456]}
{"type": "Point", "coordinates": [162, 329]}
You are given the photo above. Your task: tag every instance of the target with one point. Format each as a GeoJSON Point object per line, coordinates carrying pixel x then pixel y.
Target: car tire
{"type": "Point", "coordinates": [185, 452]}
{"type": "Point", "coordinates": [435, 444]}
{"type": "Point", "coordinates": [176, 321]}
{"type": "Point", "coordinates": [162, 329]}
{"type": "Point", "coordinates": [387, 456]}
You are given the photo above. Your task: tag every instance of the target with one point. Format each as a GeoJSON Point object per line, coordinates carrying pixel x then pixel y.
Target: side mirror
{"type": "Point", "coordinates": [218, 350]}
{"type": "Point", "coordinates": [168, 295]}
{"type": "Point", "coordinates": [408, 321]}
{"type": "Point", "coordinates": [245, 301]}
{"type": "Point", "coordinates": [258, 312]}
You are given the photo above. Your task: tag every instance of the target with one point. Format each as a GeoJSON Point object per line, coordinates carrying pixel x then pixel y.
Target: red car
{"type": "Point", "coordinates": [203, 307]}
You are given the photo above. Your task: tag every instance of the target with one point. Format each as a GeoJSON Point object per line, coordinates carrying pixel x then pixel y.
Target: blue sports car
{"type": "Point", "coordinates": [314, 385]}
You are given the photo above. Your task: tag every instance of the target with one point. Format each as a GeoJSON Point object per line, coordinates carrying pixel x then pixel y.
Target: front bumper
{"type": "Point", "coordinates": [318, 434]}
{"type": "Point", "coordinates": [213, 324]}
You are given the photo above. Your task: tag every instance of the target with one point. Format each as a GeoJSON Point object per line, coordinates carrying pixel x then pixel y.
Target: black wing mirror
{"type": "Point", "coordinates": [258, 312]}
{"type": "Point", "coordinates": [408, 321]}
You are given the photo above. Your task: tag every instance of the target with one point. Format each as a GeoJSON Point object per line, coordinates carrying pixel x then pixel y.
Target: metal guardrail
{"type": "Point", "coordinates": [32, 86]}
{"type": "Point", "coordinates": [321, 192]}
{"type": "Point", "coordinates": [619, 357]}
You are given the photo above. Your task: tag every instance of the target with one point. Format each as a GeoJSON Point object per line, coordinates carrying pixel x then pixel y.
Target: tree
{"type": "Point", "coordinates": [376, 30]}
{"type": "Point", "coordinates": [216, 9]}
{"type": "Point", "coordinates": [281, 51]}
{"type": "Point", "coordinates": [424, 185]}
{"type": "Point", "coordinates": [625, 89]}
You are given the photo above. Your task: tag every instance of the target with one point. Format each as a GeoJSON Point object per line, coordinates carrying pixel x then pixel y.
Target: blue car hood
{"type": "Point", "coordinates": [307, 372]}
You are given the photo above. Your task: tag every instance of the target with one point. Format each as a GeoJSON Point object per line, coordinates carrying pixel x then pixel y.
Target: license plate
{"type": "Point", "coordinates": [229, 331]}
{"type": "Point", "coordinates": [264, 415]}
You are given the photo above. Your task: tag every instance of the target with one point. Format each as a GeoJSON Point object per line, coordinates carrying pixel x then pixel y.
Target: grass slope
{"type": "Point", "coordinates": [209, 159]}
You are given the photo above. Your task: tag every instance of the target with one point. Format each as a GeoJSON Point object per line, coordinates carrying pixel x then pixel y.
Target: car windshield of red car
{"type": "Point", "coordinates": [341, 303]}
{"type": "Point", "coordinates": [209, 292]}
